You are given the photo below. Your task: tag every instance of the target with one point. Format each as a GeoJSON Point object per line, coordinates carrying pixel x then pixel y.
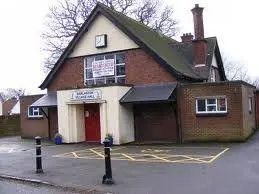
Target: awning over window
{"type": "Point", "coordinates": [150, 93]}
{"type": "Point", "coordinates": [48, 100]}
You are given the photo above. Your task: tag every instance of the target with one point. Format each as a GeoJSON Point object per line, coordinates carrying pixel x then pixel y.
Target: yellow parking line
{"type": "Point", "coordinates": [75, 155]}
{"type": "Point", "coordinates": [218, 155]}
{"type": "Point", "coordinates": [186, 159]}
{"type": "Point", "coordinates": [159, 158]}
{"type": "Point", "coordinates": [187, 147]}
{"type": "Point", "coordinates": [115, 149]}
{"type": "Point", "coordinates": [128, 157]}
{"type": "Point", "coordinates": [195, 159]}
{"type": "Point", "coordinates": [97, 153]}
{"type": "Point", "coordinates": [153, 157]}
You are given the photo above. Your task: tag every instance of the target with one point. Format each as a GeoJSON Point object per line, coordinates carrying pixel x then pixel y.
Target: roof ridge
{"type": "Point", "coordinates": [151, 41]}
{"type": "Point", "coordinates": [138, 22]}
{"type": "Point", "coordinates": [155, 33]}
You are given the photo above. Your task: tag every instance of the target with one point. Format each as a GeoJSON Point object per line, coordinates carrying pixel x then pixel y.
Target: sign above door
{"type": "Point", "coordinates": [86, 95]}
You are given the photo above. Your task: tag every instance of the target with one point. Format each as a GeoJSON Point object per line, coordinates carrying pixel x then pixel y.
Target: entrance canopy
{"type": "Point", "coordinates": [46, 101]}
{"type": "Point", "coordinates": [150, 93]}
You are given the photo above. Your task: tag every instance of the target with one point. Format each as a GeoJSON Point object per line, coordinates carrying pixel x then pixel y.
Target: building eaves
{"type": "Point", "coordinates": [155, 43]}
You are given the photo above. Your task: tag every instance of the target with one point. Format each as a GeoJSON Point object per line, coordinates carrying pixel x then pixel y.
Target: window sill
{"type": "Point", "coordinates": [35, 118]}
{"type": "Point", "coordinates": [106, 85]}
{"type": "Point", "coordinates": [212, 114]}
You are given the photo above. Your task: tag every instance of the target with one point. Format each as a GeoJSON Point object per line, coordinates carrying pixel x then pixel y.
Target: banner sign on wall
{"type": "Point", "coordinates": [86, 95]}
{"type": "Point", "coordinates": [103, 68]}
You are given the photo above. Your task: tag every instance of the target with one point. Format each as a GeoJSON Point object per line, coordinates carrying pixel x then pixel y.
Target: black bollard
{"type": "Point", "coordinates": [38, 155]}
{"type": "Point", "coordinates": [107, 178]}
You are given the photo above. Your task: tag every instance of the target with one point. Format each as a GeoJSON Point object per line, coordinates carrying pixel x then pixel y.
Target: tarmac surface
{"type": "Point", "coordinates": [170, 154]}
{"type": "Point", "coordinates": [211, 168]}
{"type": "Point", "coordinates": [11, 187]}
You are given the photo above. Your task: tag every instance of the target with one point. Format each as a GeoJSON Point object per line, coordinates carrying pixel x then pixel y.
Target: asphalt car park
{"type": "Point", "coordinates": [143, 153]}
{"type": "Point", "coordinates": [195, 168]}
{"type": "Point", "coordinates": [161, 154]}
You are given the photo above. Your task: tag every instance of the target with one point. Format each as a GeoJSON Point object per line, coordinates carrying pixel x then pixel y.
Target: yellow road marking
{"type": "Point", "coordinates": [128, 157]}
{"type": "Point", "coordinates": [159, 158]}
{"type": "Point", "coordinates": [97, 153]}
{"type": "Point", "coordinates": [75, 155]}
{"type": "Point", "coordinates": [115, 149]}
{"type": "Point", "coordinates": [197, 159]}
{"type": "Point", "coordinates": [218, 155]}
{"type": "Point", "coordinates": [188, 147]}
{"type": "Point", "coordinates": [187, 159]}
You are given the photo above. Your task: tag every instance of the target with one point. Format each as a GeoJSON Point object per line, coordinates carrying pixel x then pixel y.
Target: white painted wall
{"type": "Point", "coordinates": [114, 118]}
{"type": "Point", "coordinates": [1, 108]}
{"type": "Point", "coordinates": [70, 119]}
{"type": "Point", "coordinates": [126, 121]}
{"type": "Point", "coordinates": [15, 109]}
{"type": "Point", "coordinates": [116, 39]}
{"type": "Point", "coordinates": [214, 61]}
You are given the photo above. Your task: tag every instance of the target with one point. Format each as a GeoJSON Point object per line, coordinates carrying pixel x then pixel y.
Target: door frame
{"type": "Point", "coordinates": [99, 123]}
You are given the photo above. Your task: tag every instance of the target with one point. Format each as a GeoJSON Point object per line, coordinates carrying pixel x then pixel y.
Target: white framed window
{"type": "Point", "coordinates": [34, 112]}
{"type": "Point", "coordinates": [212, 74]}
{"type": "Point", "coordinates": [250, 104]}
{"type": "Point", "coordinates": [211, 105]}
{"type": "Point", "coordinates": [119, 69]}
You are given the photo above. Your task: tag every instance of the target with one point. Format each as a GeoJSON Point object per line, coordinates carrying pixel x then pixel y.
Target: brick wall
{"type": "Point", "coordinates": [217, 127]}
{"type": "Point", "coordinates": [10, 125]}
{"type": "Point", "coordinates": [8, 105]}
{"type": "Point", "coordinates": [71, 74]}
{"type": "Point", "coordinates": [140, 68]}
{"type": "Point", "coordinates": [143, 69]}
{"type": "Point", "coordinates": [31, 127]}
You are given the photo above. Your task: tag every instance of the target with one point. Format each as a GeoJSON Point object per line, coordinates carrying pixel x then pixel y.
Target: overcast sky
{"type": "Point", "coordinates": [234, 22]}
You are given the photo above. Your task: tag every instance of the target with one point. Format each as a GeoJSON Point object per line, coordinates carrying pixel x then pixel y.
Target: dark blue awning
{"type": "Point", "coordinates": [48, 100]}
{"type": "Point", "coordinates": [150, 93]}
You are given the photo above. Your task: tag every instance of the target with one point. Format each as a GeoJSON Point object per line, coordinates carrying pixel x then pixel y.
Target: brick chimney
{"type": "Point", "coordinates": [187, 37]}
{"type": "Point", "coordinates": [199, 43]}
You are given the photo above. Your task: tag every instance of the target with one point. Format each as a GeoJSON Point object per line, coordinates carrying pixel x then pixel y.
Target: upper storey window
{"type": "Point", "coordinates": [105, 69]}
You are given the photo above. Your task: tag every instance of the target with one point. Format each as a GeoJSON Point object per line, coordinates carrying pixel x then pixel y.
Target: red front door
{"type": "Point", "coordinates": [92, 123]}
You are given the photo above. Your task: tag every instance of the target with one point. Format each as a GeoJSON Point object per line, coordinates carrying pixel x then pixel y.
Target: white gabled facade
{"type": "Point", "coordinates": [117, 40]}
{"type": "Point", "coordinates": [1, 108]}
{"type": "Point", "coordinates": [16, 109]}
{"type": "Point", "coordinates": [115, 119]}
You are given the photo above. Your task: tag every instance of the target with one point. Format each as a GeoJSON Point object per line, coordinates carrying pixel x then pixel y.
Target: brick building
{"type": "Point", "coordinates": [120, 77]}
{"type": "Point", "coordinates": [8, 105]}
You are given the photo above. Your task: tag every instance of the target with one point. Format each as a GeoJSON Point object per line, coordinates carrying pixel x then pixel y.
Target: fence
{"type": "Point", "coordinates": [10, 125]}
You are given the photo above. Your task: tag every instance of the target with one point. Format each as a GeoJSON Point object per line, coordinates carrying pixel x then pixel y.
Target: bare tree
{"type": "Point", "coordinates": [255, 82]}
{"type": "Point", "coordinates": [9, 93]}
{"type": "Point", "coordinates": [237, 71]}
{"type": "Point", "coordinates": [66, 17]}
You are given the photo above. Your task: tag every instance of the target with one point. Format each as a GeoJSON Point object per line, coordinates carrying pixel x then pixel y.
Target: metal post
{"type": "Point", "coordinates": [107, 178]}
{"type": "Point", "coordinates": [38, 155]}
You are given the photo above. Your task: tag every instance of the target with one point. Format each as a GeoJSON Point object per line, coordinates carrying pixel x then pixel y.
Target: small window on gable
{"type": "Point", "coordinates": [34, 112]}
{"type": "Point", "coordinates": [211, 105]}
{"type": "Point", "coordinates": [250, 104]}
{"type": "Point", "coordinates": [212, 74]}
